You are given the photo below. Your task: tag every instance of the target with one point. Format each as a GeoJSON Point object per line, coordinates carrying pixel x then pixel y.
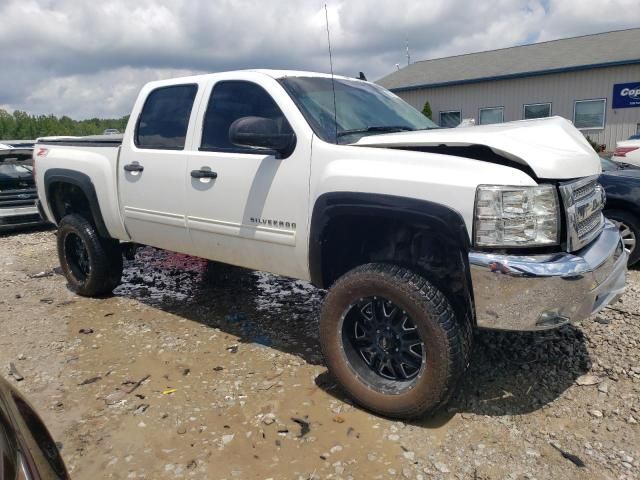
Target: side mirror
{"type": "Point", "coordinates": [262, 133]}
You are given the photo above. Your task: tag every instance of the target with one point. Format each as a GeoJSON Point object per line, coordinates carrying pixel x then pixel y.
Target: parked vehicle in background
{"type": "Point", "coordinates": [111, 131]}
{"type": "Point", "coordinates": [27, 451]}
{"type": "Point", "coordinates": [18, 194]}
{"type": "Point", "coordinates": [628, 151]}
{"type": "Point", "coordinates": [621, 182]}
{"type": "Point", "coordinates": [420, 233]}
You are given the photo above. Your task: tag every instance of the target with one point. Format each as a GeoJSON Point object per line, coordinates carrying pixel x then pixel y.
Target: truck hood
{"type": "Point", "coordinates": [552, 147]}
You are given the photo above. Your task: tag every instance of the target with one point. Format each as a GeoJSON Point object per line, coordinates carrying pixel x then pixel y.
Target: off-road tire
{"type": "Point", "coordinates": [633, 223]}
{"type": "Point", "coordinates": [446, 339]}
{"type": "Point", "coordinates": [103, 258]}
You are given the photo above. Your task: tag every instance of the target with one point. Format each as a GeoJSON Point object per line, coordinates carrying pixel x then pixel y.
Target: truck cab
{"type": "Point", "coordinates": [420, 234]}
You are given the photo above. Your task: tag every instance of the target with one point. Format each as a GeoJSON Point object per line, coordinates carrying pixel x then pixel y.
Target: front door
{"type": "Point", "coordinates": [152, 170]}
{"type": "Point", "coordinates": [253, 213]}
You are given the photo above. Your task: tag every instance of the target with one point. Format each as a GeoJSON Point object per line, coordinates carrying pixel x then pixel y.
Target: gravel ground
{"type": "Point", "coordinates": [197, 370]}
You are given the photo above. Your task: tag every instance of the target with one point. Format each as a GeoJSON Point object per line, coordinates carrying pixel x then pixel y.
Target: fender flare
{"type": "Point", "coordinates": [84, 183]}
{"type": "Point", "coordinates": [447, 222]}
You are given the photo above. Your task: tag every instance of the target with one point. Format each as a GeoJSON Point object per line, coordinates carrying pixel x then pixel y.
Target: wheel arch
{"type": "Point", "coordinates": [428, 237]}
{"type": "Point", "coordinates": [56, 179]}
{"type": "Point", "coordinates": [622, 204]}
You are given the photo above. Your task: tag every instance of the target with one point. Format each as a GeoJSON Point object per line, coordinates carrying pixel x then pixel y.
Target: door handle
{"type": "Point", "coordinates": [203, 174]}
{"type": "Point", "coordinates": [133, 167]}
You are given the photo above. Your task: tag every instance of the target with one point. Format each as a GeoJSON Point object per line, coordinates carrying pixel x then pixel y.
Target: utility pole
{"type": "Point", "coordinates": [408, 56]}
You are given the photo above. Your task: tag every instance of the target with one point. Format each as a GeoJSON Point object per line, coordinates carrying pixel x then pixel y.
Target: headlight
{"type": "Point", "coordinates": [516, 216]}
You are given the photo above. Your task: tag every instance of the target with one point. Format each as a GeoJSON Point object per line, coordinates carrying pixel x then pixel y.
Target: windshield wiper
{"type": "Point", "coordinates": [381, 128]}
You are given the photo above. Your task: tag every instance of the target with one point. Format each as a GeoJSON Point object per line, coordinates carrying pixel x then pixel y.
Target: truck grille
{"type": "Point", "coordinates": [583, 202]}
{"type": "Point", "coordinates": [18, 198]}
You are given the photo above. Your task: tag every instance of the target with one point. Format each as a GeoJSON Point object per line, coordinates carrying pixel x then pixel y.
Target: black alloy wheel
{"type": "Point", "coordinates": [91, 264]}
{"type": "Point", "coordinates": [77, 255]}
{"type": "Point", "coordinates": [385, 339]}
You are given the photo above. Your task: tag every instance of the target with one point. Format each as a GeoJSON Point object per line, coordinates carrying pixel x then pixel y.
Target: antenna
{"type": "Point", "coordinates": [408, 56]}
{"type": "Point", "coordinates": [333, 83]}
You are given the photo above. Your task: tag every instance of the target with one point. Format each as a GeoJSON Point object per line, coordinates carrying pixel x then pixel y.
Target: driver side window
{"type": "Point", "coordinates": [231, 100]}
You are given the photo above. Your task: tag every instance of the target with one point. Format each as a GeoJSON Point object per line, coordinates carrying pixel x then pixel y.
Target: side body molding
{"type": "Point", "coordinates": [84, 183]}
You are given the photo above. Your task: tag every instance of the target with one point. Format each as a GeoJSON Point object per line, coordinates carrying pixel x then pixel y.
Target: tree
{"type": "Point", "coordinates": [24, 126]}
{"type": "Point", "coordinates": [426, 110]}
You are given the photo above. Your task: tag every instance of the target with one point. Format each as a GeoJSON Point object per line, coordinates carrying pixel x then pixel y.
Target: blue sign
{"type": "Point", "coordinates": [626, 95]}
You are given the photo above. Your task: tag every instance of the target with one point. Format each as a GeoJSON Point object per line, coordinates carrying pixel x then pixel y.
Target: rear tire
{"type": "Point", "coordinates": [371, 323]}
{"type": "Point", "coordinates": [629, 226]}
{"type": "Point", "coordinates": [92, 265]}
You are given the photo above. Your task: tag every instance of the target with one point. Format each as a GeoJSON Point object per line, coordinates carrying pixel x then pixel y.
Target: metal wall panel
{"type": "Point", "coordinates": [561, 89]}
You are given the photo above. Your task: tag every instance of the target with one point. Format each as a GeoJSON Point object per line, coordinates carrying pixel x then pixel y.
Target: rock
{"type": "Point", "coordinates": [441, 467]}
{"type": "Point", "coordinates": [182, 430]}
{"type": "Point", "coordinates": [602, 319]}
{"type": "Point", "coordinates": [268, 419]}
{"type": "Point", "coordinates": [409, 455]}
{"type": "Point", "coordinates": [115, 397]}
{"type": "Point", "coordinates": [588, 380]}
{"type": "Point", "coordinates": [394, 438]}
{"type": "Point", "coordinates": [336, 449]}
{"type": "Point", "coordinates": [603, 388]}
{"type": "Point", "coordinates": [227, 438]}
{"type": "Point", "coordinates": [632, 420]}
{"type": "Point", "coordinates": [595, 413]}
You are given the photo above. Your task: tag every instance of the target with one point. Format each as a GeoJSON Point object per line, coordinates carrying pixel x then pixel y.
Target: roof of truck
{"type": "Point", "coordinates": [272, 73]}
{"type": "Point", "coordinates": [297, 73]}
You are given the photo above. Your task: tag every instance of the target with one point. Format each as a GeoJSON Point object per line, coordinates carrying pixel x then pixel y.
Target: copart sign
{"type": "Point", "coordinates": [626, 95]}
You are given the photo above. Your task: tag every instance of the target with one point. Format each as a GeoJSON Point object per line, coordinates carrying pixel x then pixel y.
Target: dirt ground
{"type": "Point", "coordinates": [197, 370]}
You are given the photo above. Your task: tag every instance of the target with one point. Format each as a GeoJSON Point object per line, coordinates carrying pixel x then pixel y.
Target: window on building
{"type": "Point", "coordinates": [164, 119]}
{"type": "Point", "coordinates": [231, 100]}
{"type": "Point", "coordinates": [589, 114]}
{"type": "Point", "coordinates": [536, 110]}
{"type": "Point", "coordinates": [451, 118]}
{"type": "Point", "coordinates": [491, 115]}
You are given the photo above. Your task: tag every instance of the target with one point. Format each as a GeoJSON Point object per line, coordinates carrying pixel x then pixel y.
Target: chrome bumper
{"type": "Point", "coordinates": [16, 217]}
{"type": "Point", "coordinates": [538, 292]}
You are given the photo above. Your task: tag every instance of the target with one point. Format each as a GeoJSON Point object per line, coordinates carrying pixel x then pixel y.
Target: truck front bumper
{"type": "Point", "coordinates": [538, 292]}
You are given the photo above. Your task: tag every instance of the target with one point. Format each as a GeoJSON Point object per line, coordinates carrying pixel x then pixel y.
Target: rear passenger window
{"type": "Point", "coordinates": [165, 116]}
{"type": "Point", "coordinates": [231, 100]}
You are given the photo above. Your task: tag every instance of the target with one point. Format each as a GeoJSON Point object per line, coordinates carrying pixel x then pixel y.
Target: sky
{"type": "Point", "coordinates": [89, 58]}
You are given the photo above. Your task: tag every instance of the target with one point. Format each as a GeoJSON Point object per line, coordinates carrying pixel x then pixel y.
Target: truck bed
{"type": "Point", "coordinates": [88, 141]}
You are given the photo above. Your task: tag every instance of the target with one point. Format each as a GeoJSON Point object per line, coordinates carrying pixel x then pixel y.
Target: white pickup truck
{"type": "Point", "coordinates": [420, 234]}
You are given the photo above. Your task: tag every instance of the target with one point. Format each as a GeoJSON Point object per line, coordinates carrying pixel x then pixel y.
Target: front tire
{"type": "Point", "coordinates": [392, 340]}
{"type": "Point", "coordinates": [629, 226]}
{"type": "Point", "coordinates": [92, 265]}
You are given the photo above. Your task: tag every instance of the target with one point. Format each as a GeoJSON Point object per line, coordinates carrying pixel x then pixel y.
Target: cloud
{"type": "Point", "coordinates": [89, 59]}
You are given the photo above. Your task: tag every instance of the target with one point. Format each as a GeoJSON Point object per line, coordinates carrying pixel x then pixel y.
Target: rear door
{"type": "Point", "coordinates": [152, 169]}
{"type": "Point", "coordinates": [254, 213]}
